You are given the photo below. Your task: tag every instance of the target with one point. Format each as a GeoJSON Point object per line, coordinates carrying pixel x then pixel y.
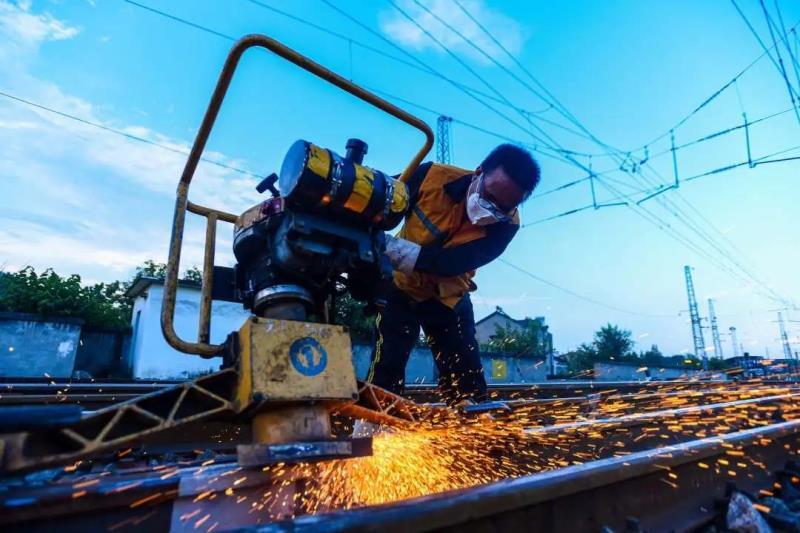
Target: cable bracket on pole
{"type": "Point", "coordinates": [674, 158]}
{"type": "Point", "coordinates": [592, 177]}
{"type": "Point", "coordinates": [747, 141]}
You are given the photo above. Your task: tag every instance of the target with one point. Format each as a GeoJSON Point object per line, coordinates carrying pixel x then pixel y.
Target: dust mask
{"type": "Point", "coordinates": [477, 214]}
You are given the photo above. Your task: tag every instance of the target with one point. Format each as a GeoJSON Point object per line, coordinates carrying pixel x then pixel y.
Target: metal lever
{"type": "Point", "coordinates": [268, 184]}
{"type": "Point", "coordinates": [182, 204]}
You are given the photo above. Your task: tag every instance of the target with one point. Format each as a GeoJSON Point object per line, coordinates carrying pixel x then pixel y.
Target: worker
{"type": "Point", "coordinates": [458, 221]}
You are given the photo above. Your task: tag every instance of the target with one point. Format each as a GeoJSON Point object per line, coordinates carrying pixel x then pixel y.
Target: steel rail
{"type": "Point", "coordinates": [43, 385]}
{"type": "Point", "coordinates": [666, 413]}
{"type": "Point", "coordinates": [587, 497]}
{"type": "Point", "coordinates": [40, 503]}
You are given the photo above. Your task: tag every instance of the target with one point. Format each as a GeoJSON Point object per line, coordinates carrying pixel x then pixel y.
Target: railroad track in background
{"type": "Point", "coordinates": [93, 394]}
{"type": "Point", "coordinates": [611, 462]}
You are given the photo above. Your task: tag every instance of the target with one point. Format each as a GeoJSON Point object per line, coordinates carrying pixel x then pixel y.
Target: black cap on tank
{"type": "Point", "coordinates": [356, 150]}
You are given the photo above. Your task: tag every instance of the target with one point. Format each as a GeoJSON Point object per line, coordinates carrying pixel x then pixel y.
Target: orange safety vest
{"type": "Point", "coordinates": [436, 218]}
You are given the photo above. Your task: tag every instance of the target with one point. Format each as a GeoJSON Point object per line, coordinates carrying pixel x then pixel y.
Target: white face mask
{"type": "Point", "coordinates": [476, 213]}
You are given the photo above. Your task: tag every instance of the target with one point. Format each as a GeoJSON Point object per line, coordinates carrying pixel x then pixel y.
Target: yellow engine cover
{"type": "Point", "coordinates": [289, 361]}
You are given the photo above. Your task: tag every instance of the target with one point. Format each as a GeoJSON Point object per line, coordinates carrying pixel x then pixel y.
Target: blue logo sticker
{"type": "Point", "coordinates": [308, 356]}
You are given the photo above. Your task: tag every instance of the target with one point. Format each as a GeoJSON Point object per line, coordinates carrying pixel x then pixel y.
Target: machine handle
{"type": "Point", "coordinates": [203, 348]}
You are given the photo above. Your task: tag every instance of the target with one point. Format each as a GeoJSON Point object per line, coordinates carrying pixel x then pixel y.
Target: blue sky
{"type": "Point", "coordinates": [83, 200]}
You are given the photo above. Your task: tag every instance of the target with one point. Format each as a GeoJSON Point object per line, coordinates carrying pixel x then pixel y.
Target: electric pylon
{"type": "Point", "coordinates": [697, 328]}
{"type": "Point", "coordinates": [734, 342]}
{"type": "Point", "coordinates": [787, 349]}
{"type": "Point", "coordinates": [443, 139]}
{"type": "Point", "coordinates": [712, 317]}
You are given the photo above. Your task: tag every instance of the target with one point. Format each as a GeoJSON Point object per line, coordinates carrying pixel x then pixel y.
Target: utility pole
{"type": "Point", "coordinates": [697, 328]}
{"type": "Point", "coordinates": [734, 342]}
{"type": "Point", "coordinates": [443, 139]}
{"type": "Point", "coordinates": [712, 316]}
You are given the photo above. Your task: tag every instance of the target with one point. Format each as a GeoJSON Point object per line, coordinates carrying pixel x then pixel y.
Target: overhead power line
{"type": "Point", "coordinates": [664, 202]}
{"type": "Point", "coordinates": [719, 91]}
{"type": "Point", "coordinates": [550, 144]}
{"type": "Point", "coordinates": [648, 215]}
{"type": "Point", "coordinates": [538, 148]}
{"type": "Point", "coordinates": [322, 29]}
{"type": "Point", "coordinates": [125, 134]}
{"type": "Point", "coordinates": [566, 156]}
{"type": "Point", "coordinates": [768, 51]}
{"type": "Point", "coordinates": [219, 34]}
{"type": "Point", "coordinates": [578, 295]}
{"type": "Point", "coordinates": [551, 99]}
{"type": "Point", "coordinates": [645, 213]}
{"type": "Point", "coordinates": [785, 38]}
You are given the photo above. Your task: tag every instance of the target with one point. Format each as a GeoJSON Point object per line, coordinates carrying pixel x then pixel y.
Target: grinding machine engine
{"type": "Point", "coordinates": [294, 252]}
{"type": "Point", "coordinates": [287, 369]}
{"type": "Point", "coordinates": [325, 232]}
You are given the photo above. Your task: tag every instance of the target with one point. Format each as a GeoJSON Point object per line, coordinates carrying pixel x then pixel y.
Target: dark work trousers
{"type": "Point", "coordinates": [450, 334]}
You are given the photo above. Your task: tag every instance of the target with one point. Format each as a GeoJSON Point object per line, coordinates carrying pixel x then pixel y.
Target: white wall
{"type": "Point", "coordinates": [153, 358]}
{"type": "Point", "coordinates": [628, 372]}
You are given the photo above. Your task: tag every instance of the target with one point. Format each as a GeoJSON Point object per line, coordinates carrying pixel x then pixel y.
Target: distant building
{"type": "Point", "coordinates": [486, 329]}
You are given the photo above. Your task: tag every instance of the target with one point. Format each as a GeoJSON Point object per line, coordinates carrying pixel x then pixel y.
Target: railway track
{"type": "Point", "coordinates": [95, 394]}
{"type": "Point", "coordinates": [614, 449]}
{"type": "Point", "coordinates": [672, 488]}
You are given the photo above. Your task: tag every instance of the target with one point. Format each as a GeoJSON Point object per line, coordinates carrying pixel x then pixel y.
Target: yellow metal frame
{"type": "Point", "coordinates": [121, 424]}
{"type": "Point", "coordinates": [182, 204]}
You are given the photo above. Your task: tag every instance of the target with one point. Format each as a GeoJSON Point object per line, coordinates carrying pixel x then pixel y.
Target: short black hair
{"type": "Point", "coordinates": [518, 163]}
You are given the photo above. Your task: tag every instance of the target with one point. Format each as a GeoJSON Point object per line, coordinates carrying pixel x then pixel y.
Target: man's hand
{"type": "Point", "coordinates": [402, 254]}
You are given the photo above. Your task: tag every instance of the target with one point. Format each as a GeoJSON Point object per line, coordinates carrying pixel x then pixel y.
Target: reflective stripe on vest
{"type": "Point", "coordinates": [430, 226]}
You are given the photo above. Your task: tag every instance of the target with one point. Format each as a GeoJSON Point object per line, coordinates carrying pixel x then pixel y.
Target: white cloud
{"type": "Point", "coordinates": [505, 29]}
{"type": "Point", "coordinates": [74, 254]}
{"type": "Point", "coordinates": [94, 202]}
{"type": "Point", "coordinates": [28, 29]}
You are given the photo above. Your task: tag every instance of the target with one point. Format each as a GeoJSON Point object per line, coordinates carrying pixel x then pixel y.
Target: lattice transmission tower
{"type": "Point", "coordinates": [443, 139]}
{"type": "Point", "coordinates": [787, 349]}
{"type": "Point", "coordinates": [697, 327]}
{"type": "Point", "coordinates": [712, 317]}
{"type": "Point", "coordinates": [734, 342]}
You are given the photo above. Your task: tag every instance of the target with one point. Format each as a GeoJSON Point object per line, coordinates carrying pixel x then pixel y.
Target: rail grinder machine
{"type": "Point", "coordinates": [287, 368]}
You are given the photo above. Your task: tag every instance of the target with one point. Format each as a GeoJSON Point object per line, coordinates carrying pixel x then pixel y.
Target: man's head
{"type": "Point", "coordinates": [506, 178]}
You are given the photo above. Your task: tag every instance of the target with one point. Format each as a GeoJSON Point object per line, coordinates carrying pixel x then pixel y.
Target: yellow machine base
{"type": "Point", "coordinates": [289, 361]}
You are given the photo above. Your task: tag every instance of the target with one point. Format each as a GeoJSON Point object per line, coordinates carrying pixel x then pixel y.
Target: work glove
{"type": "Point", "coordinates": [402, 254]}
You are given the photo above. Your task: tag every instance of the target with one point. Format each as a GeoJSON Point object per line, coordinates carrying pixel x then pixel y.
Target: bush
{"type": "Point", "coordinates": [102, 305]}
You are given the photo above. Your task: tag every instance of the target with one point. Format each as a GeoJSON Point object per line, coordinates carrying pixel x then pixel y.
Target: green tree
{"type": "Point", "coordinates": [653, 357]}
{"type": "Point", "coordinates": [613, 343]}
{"type": "Point", "coordinates": [193, 273]}
{"type": "Point", "coordinates": [99, 305]}
{"type": "Point", "coordinates": [525, 341]}
{"type": "Point", "coordinates": [610, 343]}
{"type": "Point", "coordinates": [581, 359]}
{"type": "Point", "coordinates": [151, 269]}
